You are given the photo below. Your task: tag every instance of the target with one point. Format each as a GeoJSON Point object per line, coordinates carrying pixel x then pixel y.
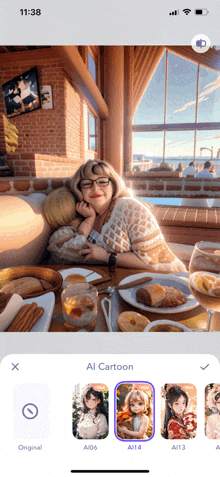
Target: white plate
{"type": "Point", "coordinates": [47, 301]}
{"type": "Point", "coordinates": [81, 271]}
{"type": "Point", "coordinates": [129, 295]}
{"type": "Point", "coordinates": [166, 322]}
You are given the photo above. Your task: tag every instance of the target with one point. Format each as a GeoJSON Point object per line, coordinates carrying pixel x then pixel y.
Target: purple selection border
{"type": "Point", "coordinates": [115, 408]}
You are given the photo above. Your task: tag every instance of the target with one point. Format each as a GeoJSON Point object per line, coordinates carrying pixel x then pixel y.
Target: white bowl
{"type": "Point", "coordinates": [166, 322]}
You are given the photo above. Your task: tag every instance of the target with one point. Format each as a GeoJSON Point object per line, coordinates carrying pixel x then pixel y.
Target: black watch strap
{"type": "Point", "coordinates": [112, 262]}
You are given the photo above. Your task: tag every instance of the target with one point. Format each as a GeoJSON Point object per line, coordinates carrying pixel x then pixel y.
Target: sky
{"type": "Point", "coordinates": [181, 108]}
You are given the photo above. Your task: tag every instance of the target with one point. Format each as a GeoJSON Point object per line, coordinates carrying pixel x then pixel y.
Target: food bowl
{"type": "Point", "coordinates": [51, 276]}
{"type": "Point", "coordinates": [166, 324]}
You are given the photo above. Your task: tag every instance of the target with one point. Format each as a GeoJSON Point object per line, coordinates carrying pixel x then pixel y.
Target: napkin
{"type": "Point", "coordinates": [7, 316]}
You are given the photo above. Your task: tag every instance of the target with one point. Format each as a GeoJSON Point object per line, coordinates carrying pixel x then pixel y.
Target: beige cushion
{"type": "Point", "coordinates": [24, 231]}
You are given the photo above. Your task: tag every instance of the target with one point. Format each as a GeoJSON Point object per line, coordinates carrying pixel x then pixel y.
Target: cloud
{"type": "Point", "coordinates": [208, 89]}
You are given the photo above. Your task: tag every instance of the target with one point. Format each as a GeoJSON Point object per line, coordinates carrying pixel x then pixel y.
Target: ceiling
{"type": "Point", "coordinates": [13, 49]}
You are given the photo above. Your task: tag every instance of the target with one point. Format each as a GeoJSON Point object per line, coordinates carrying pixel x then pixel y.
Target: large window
{"type": "Point", "coordinates": [179, 113]}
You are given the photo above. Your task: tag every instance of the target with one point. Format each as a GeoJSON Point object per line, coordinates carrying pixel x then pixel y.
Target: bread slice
{"type": "Point", "coordinates": [23, 286]}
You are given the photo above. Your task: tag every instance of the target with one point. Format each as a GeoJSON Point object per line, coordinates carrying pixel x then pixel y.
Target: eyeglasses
{"type": "Point", "coordinates": [88, 183]}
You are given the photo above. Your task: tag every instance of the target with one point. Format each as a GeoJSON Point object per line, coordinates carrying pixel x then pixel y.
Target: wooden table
{"type": "Point", "coordinates": [195, 318]}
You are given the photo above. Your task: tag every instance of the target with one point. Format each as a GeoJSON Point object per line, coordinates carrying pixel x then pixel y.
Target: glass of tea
{"type": "Point", "coordinates": [204, 282]}
{"type": "Point", "coordinates": [79, 306]}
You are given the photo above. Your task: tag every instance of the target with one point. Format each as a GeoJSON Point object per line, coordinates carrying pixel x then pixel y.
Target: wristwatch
{"type": "Point", "coordinates": [112, 262]}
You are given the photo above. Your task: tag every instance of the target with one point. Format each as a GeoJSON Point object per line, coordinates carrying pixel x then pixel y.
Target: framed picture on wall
{"type": "Point", "coordinates": [21, 94]}
{"type": "Point", "coordinates": [46, 97]}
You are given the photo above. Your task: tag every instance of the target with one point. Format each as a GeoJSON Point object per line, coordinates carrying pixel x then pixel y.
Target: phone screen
{"type": "Point", "coordinates": [109, 244]}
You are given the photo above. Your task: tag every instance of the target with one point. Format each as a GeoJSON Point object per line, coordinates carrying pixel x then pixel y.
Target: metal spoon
{"type": "Point", "coordinates": [108, 290]}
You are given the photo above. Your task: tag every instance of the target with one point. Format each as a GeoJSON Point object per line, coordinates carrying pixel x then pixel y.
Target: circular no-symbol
{"type": "Point", "coordinates": [30, 411]}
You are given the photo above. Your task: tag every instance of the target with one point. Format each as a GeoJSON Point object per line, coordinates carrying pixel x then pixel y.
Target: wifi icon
{"type": "Point", "coordinates": [187, 11]}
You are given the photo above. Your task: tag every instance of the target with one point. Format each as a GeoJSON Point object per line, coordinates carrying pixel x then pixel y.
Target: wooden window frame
{"type": "Point", "coordinates": [177, 126]}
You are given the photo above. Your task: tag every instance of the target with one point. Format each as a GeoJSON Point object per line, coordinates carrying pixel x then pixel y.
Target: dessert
{"type": "Point", "coordinates": [130, 321]}
{"type": "Point", "coordinates": [26, 318]}
{"type": "Point", "coordinates": [76, 277]}
{"type": "Point", "coordinates": [151, 295]}
{"type": "Point", "coordinates": [158, 296]}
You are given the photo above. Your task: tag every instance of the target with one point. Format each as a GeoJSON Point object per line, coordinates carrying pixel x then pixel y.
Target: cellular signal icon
{"type": "Point", "coordinates": [176, 12]}
{"type": "Point", "coordinates": [186, 11]}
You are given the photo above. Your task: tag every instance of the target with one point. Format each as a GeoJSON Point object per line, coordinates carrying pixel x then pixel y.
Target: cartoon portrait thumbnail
{"type": "Point", "coordinates": [90, 411]}
{"type": "Point", "coordinates": [212, 411]}
{"type": "Point", "coordinates": [178, 411]}
{"type": "Point", "coordinates": [134, 411]}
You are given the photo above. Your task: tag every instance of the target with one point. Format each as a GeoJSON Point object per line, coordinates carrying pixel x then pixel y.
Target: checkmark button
{"type": "Point", "coordinates": [204, 367]}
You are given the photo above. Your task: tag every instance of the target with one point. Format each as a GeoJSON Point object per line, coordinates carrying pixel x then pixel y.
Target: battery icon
{"type": "Point", "coordinates": [202, 11]}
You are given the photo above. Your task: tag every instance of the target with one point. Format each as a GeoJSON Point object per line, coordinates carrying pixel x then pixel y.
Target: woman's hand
{"type": "Point", "coordinates": [86, 210]}
{"type": "Point", "coordinates": [95, 252]}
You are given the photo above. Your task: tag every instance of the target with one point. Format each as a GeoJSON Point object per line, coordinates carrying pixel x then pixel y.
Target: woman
{"type": "Point", "coordinates": [92, 423]}
{"type": "Point", "coordinates": [117, 228]}
{"type": "Point", "coordinates": [178, 424]}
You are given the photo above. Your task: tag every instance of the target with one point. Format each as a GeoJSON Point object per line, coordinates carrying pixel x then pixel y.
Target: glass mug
{"type": "Point", "coordinates": [79, 306]}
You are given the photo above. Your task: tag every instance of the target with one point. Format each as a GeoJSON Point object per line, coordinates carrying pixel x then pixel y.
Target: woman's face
{"type": "Point", "coordinates": [136, 406]}
{"type": "Point", "coordinates": [99, 197]}
{"type": "Point", "coordinates": [92, 402]}
{"type": "Point", "coordinates": [179, 406]}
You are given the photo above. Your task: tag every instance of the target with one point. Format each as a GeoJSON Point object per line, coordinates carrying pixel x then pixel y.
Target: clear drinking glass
{"type": "Point", "coordinates": [79, 306]}
{"type": "Point", "coordinates": [204, 282]}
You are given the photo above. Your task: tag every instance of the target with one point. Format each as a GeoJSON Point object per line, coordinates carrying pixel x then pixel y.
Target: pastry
{"type": "Point", "coordinates": [151, 295]}
{"type": "Point", "coordinates": [132, 321]}
{"type": "Point", "coordinates": [23, 286]}
{"type": "Point", "coordinates": [26, 318]}
{"type": "Point", "coordinates": [76, 277]}
{"type": "Point", "coordinates": [159, 296]}
{"type": "Point", "coordinates": [174, 297]}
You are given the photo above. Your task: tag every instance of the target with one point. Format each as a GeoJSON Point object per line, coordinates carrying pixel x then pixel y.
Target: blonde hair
{"type": "Point", "coordinates": [143, 396]}
{"type": "Point", "coordinates": [98, 167]}
{"type": "Point", "coordinates": [60, 209]}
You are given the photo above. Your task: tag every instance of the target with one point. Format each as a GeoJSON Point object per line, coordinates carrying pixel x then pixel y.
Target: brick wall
{"type": "Point", "coordinates": [29, 185]}
{"type": "Point", "coordinates": [171, 187]}
{"type": "Point", "coordinates": [46, 136]}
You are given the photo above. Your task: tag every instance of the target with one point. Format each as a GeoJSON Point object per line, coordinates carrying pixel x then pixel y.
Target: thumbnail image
{"type": "Point", "coordinates": [90, 411]}
{"type": "Point", "coordinates": [134, 411]}
{"type": "Point", "coordinates": [212, 411]}
{"type": "Point", "coordinates": [178, 411]}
